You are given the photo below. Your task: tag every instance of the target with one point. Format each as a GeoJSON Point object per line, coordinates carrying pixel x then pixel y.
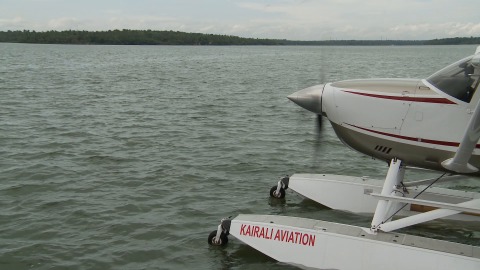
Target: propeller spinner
{"type": "Point", "coordinates": [309, 98]}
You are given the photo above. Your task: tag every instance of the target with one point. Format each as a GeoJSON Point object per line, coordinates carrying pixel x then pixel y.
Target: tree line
{"type": "Point", "coordinates": [128, 37]}
{"type": "Point", "coordinates": [150, 37]}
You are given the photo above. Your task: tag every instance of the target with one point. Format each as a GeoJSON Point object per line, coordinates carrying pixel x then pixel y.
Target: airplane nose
{"type": "Point", "coordinates": [309, 98]}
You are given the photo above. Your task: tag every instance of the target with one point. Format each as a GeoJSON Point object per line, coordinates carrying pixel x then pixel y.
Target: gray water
{"type": "Point", "coordinates": [127, 157]}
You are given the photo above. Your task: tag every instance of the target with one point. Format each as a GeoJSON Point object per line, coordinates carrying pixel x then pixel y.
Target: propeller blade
{"type": "Point", "coordinates": [319, 123]}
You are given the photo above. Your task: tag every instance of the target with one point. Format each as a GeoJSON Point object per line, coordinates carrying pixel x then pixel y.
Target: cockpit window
{"type": "Point", "coordinates": [459, 80]}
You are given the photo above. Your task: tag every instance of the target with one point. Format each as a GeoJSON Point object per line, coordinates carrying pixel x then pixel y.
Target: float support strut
{"type": "Point", "coordinates": [392, 182]}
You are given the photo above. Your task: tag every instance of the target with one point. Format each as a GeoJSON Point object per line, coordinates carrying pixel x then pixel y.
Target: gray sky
{"type": "Point", "coordinates": [283, 19]}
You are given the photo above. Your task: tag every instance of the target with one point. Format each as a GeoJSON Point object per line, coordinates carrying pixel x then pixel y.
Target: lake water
{"type": "Point", "coordinates": [127, 157]}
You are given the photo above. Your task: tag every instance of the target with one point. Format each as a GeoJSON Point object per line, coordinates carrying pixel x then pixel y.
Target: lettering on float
{"type": "Point", "coordinates": [287, 236]}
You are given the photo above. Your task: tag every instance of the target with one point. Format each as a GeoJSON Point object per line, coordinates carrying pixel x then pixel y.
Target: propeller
{"type": "Point", "coordinates": [322, 80]}
{"type": "Point", "coordinates": [311, 99]}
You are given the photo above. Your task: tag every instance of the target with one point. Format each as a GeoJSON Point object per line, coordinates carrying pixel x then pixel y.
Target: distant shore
{"type": "Point", "coordinates": [150, 37]}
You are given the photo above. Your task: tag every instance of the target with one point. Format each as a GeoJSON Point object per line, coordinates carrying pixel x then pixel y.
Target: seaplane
{"type": "Point", "coordinates": [430, 124]}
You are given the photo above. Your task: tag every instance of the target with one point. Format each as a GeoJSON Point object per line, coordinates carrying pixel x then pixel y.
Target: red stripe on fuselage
{"type": "Point", "coordinates": [444, 143]}
{"type": "Point", "coordinates": [404, 98]}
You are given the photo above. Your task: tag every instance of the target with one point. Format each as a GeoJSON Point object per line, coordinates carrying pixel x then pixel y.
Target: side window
{"type": "Point", "coordinates": [458, 80]}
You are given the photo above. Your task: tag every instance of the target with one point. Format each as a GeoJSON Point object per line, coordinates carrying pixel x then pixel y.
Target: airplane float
{"type": "Point", "coordinates": [432, 123]}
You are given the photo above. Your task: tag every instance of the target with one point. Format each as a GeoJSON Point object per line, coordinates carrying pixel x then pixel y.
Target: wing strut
{"type": "Point", "coordinates": [459, 163]}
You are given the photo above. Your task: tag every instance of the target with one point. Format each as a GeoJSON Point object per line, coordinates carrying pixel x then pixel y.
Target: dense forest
{"type": "Point", "coordinates": [150, 37]}
{"type": "Point", "coordinates": [129, 37]}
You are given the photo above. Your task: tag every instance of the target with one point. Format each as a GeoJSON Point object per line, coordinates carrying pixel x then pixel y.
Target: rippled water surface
{"type": "Point", "coordinates": [126, 157]}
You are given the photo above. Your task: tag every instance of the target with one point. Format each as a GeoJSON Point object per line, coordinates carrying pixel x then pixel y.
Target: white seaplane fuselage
{"type": "Point", "coordinates": [411, 119]}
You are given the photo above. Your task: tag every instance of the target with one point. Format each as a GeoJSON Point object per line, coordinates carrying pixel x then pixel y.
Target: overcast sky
{"type": "Point", "coordinates": [283, 19]}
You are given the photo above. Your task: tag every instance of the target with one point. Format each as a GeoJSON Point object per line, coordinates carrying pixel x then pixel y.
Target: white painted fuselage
{"type": "Point", "coordinates": [409, 119]}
